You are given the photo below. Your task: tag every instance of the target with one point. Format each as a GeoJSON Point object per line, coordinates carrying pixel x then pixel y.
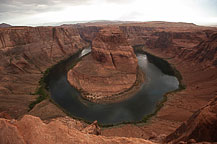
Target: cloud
{"type": "Point", "coordinates": [134, 15]}
{"type": "Point", "coordinates": [119, 1]}
{"type": "Point", "coordinates": [22, 12]}
{"type": "Point", "coordinates": [205, 7]}
{"type": "Point", "coordinates": [13, 8]}
{"type": "Point", "coordinates": [208, 5]}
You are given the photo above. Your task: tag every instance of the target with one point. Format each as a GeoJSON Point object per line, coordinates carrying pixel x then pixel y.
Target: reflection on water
{"type": "Point", "coordinates": [134, 109]}
{"type": "Point", "coordinates": [85, 51]}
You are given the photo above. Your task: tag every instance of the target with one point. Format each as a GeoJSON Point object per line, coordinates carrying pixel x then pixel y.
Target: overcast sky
{"type": "Point", "coordinates": [34, 12]}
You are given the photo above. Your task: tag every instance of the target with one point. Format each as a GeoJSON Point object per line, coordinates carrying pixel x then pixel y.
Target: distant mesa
{"type": "Point", "coordinates": [4, 25]}
{"type": "Point", "coordinates": [110, 73]}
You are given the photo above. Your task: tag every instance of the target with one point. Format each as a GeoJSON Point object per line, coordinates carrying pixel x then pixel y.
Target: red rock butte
{"type": "Point", "coordinates": [110, 73]}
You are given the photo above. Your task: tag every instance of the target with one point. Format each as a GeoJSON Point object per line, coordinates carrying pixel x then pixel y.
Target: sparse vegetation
{"type": "Point", "coordinates": [42, 90]}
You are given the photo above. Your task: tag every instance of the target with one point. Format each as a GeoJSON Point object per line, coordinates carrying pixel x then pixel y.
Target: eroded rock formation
{"type": "Point", "coordinates": [31, 130]}
{"type": "Point", "coordinates": [111, 72]}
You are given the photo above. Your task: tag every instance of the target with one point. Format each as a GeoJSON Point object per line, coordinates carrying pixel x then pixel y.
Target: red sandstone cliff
{"type": "Point", "coordinates": [25, 53]}
{"type": "Point", "coordinates": [111, 48]}
{"type": "Point", "coordinates": [206, 51]}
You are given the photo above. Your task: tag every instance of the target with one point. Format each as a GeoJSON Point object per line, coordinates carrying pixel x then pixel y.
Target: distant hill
{"type": "Point", "coordinates": [4, 25]}
{"type": "Point", "coordinates": [107, 22]}
{"type": "Point", "coordinates": [94, 22]}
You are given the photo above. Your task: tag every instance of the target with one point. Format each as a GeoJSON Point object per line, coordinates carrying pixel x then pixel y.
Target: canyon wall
{"type": "Point", "coordinates": [25, 53]}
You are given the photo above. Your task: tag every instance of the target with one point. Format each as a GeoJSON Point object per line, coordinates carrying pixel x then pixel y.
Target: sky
{"type": "Point", "coordinates": [38, 12]}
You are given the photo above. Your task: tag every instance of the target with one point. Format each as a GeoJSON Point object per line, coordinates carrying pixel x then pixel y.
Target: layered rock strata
{"type": "Point", "coordinates": [110, 74]}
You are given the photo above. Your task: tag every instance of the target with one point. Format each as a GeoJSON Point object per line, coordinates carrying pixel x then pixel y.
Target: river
{"type": "Point", "coordinates": [144, 102]}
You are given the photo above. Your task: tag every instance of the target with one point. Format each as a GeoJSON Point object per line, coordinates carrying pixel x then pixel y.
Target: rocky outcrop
{"type": "Point", "coordinates": [31, 130]}
{"type": "Point", "coordinates": [201, 126]}
{"type": "Point", "coordinates": [110, 71]}
{"type": "Point", "coordinates": [92, 129]}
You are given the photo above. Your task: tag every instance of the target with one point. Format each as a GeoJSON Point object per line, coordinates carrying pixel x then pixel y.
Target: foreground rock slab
{"type": "Point", "coordinates": [31, 130]}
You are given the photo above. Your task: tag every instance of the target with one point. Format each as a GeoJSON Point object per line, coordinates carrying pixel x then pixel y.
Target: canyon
{"type": "Point", "coordinates": [26, 53]}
